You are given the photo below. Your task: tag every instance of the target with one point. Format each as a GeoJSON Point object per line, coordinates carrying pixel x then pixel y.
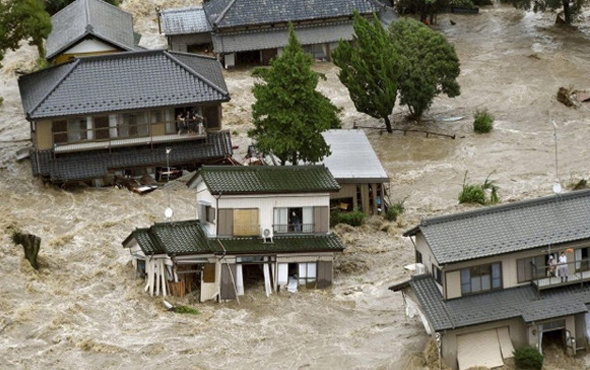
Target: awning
{"type": "Point", "coordinates": [483, 348]}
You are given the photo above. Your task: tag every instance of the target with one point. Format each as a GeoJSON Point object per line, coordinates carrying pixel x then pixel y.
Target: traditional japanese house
{"type": "Point", "coordinates": [484, 284]}
{"type": "Point", "coordinates": [95, 117]}
{"type": "Point", "coordinates": [89, 27]}
{"type": "Point", "coordinates": [269, 223]}
{"type": "Point", "coordinates": [255, 31]}
{"type": "Point", "coordinates": [354, 164]}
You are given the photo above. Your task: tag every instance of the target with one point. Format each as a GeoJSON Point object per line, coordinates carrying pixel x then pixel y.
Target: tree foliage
{"type": "Point", "coordinates": [54, 6]}
{"type": "Point", "coordinates": [427, 9]}
{"type": "Point", "coordinates": [289, 115]}
{"type": "Point", "coordinates": [23, 20]}
{"type": "Point", "coordinates": [430, 65]}
{"type": "Point", "coordinates": [370, 69]}
{"type": "Point", "coordinates": [571, 9]}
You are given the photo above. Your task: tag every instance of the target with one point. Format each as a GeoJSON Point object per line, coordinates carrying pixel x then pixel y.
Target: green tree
{"type": "Point", "coordinates": [23, 20]}
{"type": "Point", "coordinates": [54, 6]}
{"type": "Point", "coordinates": [430, 65]}
{"type": "Point", "coordinates": [289, 115]}
{"type": "Point", "coordinates": [571, 9]}
{"type": "Point", "coordinates": [369, 69]}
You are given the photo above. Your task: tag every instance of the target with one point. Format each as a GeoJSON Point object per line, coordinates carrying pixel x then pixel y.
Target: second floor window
{"type": "Point", "coordinates": [481, 278]}
{"type": "Point", "coordinates": [437, 274]}
{"type": "Point", "coordinates": [293, 220]}
{"type": "Point", "coordinates": [531, 268]}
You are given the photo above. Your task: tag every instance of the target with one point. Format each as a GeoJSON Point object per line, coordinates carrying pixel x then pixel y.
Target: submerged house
{"type": "Point", "coordinates": [254, 223]}
{"type": "Point", "coordinates": [89, 27]}
{"type": "Point", "coordinates": [485, 284]}
{"type": "Point", "coordinates": [255, 31]}
{"type": "Point", "coordinates": [117, 114]}
{"type": "Point", "coordinates": [354, 164]}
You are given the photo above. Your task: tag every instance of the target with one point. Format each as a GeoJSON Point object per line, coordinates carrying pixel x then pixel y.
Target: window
{"type": "Point", "coordinates": [581, 256]}
{"type": "Point", "coordinates": [60, 131]}
{"type": "Point", "coordinates": [307, 274]}
{"type": "Point", "coordinates": [210, 214]}
{"type": "Point", "coordinates": [437, 274]}
{"type": "Point", "coordinates": [530, 268]}
{"type": "Point", "coordinates": [481, 278]}
{"type": "Point", "coordinates": [101, 127]}
{"type": "Point", "coordinates": [294, 220]}
{"type": "Point", "coordinates": [418, 257]}
{"type": "Point", "coordinates": [133, 125]}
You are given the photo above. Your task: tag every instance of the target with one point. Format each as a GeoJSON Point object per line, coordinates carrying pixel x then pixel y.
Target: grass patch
{"type": "Point", "coordinates": [395, 210]}
{"type": "Point", "coordinates": [483, 122]}
{"type": "Point", "coordinates": [478, 193]}
{"type": "Point", "coordinates": [186, 310]}
{"type": "Point", "coordinates": [354, 218]}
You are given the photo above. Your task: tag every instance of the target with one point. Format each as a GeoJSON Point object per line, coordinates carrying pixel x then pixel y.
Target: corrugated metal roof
{"type": "Point", "coordinates": [96, 164]}
{"type": "Point", "coordinates": [498, 305]}
{"type": "Point", "coordinates": [233, 13]}
{"type": "Point", "coordinates": [267, 179]}
{"type": "Point", "coordinates": [122, 81]}
{"type": "Point", "coordinates": [89, 17]}
{"type": "Point", "coordinates": [269, 38]}
{"type": "Point", "coordinates": [182, 21]}
{"type": "Point", "coordinates": [353, 158]}
{"type": "Point", "coordinates": [508, 228]}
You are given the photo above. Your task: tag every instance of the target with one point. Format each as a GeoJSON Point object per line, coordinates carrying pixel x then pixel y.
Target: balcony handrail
{"type": "Point", "coordinates": [292, 228]}
{"type": "Point", "coordinates": [181, 128]}
{"type": "Point", "coordinates": [573, 277]}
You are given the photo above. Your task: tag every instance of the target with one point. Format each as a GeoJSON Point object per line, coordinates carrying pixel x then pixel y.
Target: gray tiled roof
{"type": "Point", "coordinates": [89, 17]}
{"type": "Point", "coordinates": [230, 42]}
{"type": "Point", "coordinates": [477, 309]}
{"type": "Point", "coordinates": [188, 237]}
{"type": "Point", "coordinates": [284, 244]}
{"type": "Point", "coordinates": [353, 158]}
{"type": "Point", "coordinates": [96, 164]}
{"type": "Point", "coordinates": [508, 228]}
{"type": "Point", "coordinates": [233, 13]}
{"type": "Point", "coordinates": [182, 21]}
{"type": "Point", "coordinates": [122, 82]}
{"type": "Point", "coordinates": [267, 179]}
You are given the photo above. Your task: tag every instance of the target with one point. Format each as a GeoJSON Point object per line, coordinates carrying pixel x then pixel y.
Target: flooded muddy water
{"type": "Point", "coordinates": [85, 309]}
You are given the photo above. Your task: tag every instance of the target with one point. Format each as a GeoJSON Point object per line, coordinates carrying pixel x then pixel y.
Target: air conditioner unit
{"type": "Point", "coordinates": [267, 235]}
{"type": "Point", "coordinates": [420, 269]}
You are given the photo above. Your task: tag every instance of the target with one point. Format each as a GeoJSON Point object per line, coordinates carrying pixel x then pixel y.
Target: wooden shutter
{"type": "Point", "coordinates": [246, 222]}
{"type": "Point", "coordinates": [209, 273]}
{"type": "Point", "coordinates": [321, 219]}
{"type": "Point", "coordinates": [227, 289]}
{"type": "Point", "coordinates": [324, 274]}
{"type": "Point", "coordinates": [225, 222]}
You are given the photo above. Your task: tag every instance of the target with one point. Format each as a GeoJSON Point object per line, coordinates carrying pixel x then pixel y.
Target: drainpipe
{"type": "Point", "coordinates": [217, 214]}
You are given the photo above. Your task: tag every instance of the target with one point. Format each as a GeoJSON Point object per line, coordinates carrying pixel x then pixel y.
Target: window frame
{"type": "Point", "coordinates": [480, 269]}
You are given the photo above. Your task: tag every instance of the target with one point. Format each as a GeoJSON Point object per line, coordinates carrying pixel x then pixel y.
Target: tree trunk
{"type": "Point", "coordinates": [388, 124]}
{"type": "Point", "coordinates": [567, 13]}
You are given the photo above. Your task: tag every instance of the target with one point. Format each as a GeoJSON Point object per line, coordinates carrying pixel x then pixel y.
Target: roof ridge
{"type": "Point", "coordinates": [57, 83]}
{"type": "Point", "coordinates": [261, 168]}
{"type": "Point", "coordinates": [224, 11]}
{"type": "Point", "coordinates": [195, 73]}
{"type": "Point", "coordinates": [504, 207]}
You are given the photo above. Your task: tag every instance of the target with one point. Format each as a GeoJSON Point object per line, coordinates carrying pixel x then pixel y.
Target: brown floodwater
{"type": "Point", "coordinates": [85, 309]}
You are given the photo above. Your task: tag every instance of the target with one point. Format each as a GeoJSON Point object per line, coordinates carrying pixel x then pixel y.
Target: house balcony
{"type": "Point", "coordinates": [293, 228]}
{"type": "Point", "coordinates": [125, 136]}
{"type": "Point", "coordinates": [576, 272]}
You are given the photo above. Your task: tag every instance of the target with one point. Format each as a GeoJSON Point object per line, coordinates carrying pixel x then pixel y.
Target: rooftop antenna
{"type": "Point", "coordinates": [168, 212]}
{"type": "Point", "coordinates": [556, 185]}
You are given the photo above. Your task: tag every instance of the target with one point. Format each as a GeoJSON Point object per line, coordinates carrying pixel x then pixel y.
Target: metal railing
{"type": "Point", "coordinates": [293, 228]}
{"type": "Point", "coordinates": [549, 276]}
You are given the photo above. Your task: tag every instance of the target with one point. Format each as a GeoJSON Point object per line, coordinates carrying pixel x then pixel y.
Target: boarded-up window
{"type": "Point", "coordinates": [209, 273]}
{"type": "Point", "coordinates": [324, 274]}
{"type": "Point", "coordinates": [321, 219]}
{"type": "Point", "coordinates": [246, 222]}
{"type": "Point", "coordinates": [225, 223]}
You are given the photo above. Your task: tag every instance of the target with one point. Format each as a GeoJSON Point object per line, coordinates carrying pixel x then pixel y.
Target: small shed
{"type": "Point", "coordinates": [358, 171]}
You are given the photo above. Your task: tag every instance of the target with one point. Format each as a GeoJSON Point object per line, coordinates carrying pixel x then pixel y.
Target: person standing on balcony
{"type": "Point", "coordinates": [562, 266]}
{"type": "Point", "coordinates": [551, 266]}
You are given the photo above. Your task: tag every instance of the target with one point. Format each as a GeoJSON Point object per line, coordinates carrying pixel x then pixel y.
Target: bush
{"type": "Point", "coordinates": [472, 194]}
{"type": "Point", "coordinates": [395, 210]}
{"type": "Point", "coordinates": [354, 218]}
{"type": "Point", "coordinates": [483, 122]}
{"type": "Point", "coordinates": [528, 358]}
{"type": "Point", "coordinates": [186, 310]}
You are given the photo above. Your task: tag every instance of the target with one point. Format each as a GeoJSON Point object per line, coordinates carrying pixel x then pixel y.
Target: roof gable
{"type": "Point", "coordinates": [233, 13]}
{"type": "Point", "coordinates": [122, 81]}
{"type": "Point", "coordinates": [90, 17]}
{"type": "Point", "coordinates": [233, 180]}
{"type": "Point", "coordinates": [508, 228]}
